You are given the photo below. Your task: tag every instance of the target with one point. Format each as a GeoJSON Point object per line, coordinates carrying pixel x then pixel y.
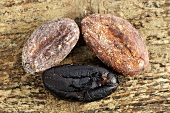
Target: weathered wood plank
{"type": "Point", "coordinates": [22, 92]}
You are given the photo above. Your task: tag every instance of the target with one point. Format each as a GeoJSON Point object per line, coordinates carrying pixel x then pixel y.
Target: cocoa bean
{"type": "Point", "coordinates": [116, 43]}
{"type": "Point", "coordinates": [80, 82]}
{"type": "Point", "coordinates": [49, 44]}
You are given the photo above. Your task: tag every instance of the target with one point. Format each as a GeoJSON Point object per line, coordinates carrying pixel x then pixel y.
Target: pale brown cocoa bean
{"type": "Point", "coordinates": [49, 44]}
{"type": "Point", "coordinates": [116, 43]}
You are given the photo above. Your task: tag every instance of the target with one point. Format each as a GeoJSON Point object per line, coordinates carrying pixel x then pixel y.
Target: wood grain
{"type": "Point", "coordinates": [22, 92]}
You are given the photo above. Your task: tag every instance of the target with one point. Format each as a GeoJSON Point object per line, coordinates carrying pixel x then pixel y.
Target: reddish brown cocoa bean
{"type": "Point", "coordinates": [116, 43]}
{"type": "Point", "coordinates": [49, 44]}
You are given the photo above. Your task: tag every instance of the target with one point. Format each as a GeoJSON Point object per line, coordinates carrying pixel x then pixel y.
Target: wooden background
{"type": "Point", "coordinates": [21, 92]}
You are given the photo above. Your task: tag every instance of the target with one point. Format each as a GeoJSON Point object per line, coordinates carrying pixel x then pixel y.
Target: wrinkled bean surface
{"type": "Point", "coordinates": [116, 43]}
{"type": "Point", "coordinates": [49, 44]}
{"type": "Point", "coordinates": [80, 82]}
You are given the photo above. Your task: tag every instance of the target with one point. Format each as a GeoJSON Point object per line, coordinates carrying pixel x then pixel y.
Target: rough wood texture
{"type": "Point", "coordinates": [22, 92]}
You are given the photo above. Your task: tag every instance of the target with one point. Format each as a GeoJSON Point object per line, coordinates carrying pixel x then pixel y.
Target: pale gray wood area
{"type": "Point", "coordinates": [21, 92]}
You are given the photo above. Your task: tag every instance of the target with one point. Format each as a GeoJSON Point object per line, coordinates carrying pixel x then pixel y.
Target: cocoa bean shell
{"type": "Point", "coordinates": [49, 44]}
{"type": "Point", "coordinates": [116, 43]}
